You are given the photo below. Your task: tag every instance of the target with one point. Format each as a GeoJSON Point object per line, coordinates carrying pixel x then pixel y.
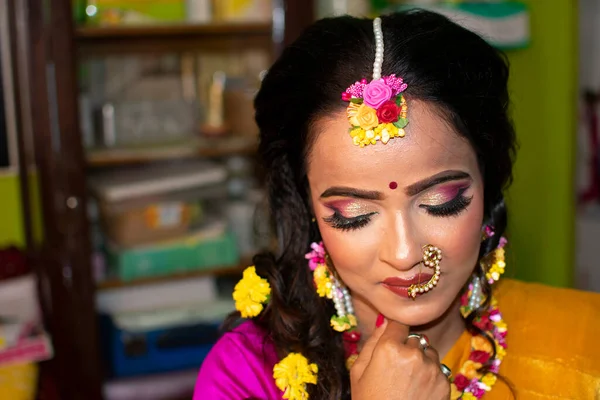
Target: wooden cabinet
{"type": "Point", "coordinates": [48, 48]}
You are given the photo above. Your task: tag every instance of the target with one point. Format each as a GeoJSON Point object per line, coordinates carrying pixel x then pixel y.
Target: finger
{"type": "Point", "coordinates": [429, 352]}
{"type": "Point", "coordinates": [433, 355]}
{"type": "Point", "coordinates": [369, 346]}
{"type": "Point", "coordinates": [395, 332]}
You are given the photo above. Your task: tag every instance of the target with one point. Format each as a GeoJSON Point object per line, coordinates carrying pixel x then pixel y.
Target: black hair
{"type": "Point", "coordinates": [446, 66]}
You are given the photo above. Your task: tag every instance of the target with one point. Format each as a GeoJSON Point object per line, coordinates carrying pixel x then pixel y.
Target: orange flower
{"type": "Point", "coordinates": [470, 369]}
{"type": "Point", "coordinates": [365, 117]}
{"type": "Point", "coordinates": [481, 344]}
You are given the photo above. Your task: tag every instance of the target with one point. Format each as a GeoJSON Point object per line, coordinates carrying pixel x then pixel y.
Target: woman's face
{"type": "Point", "coordinates": [379, 205]}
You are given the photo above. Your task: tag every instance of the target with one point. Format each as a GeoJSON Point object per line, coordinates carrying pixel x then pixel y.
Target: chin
{"type": "Point", "coordinates": [424, 310]}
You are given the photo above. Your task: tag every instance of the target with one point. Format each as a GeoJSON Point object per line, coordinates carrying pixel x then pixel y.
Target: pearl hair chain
{"type": "Point", "coordinates": [378, 48]}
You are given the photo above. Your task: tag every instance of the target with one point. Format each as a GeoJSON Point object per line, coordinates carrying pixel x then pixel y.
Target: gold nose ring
{"type": "Point", "coordinates": [432, 256]}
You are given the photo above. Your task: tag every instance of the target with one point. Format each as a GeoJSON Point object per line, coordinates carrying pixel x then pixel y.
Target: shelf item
{"type": "Point", "coordinates": [145, 351]}
{"type": "Point", "coordinates": [204, 148]}
{"type": "Point", "coordinates": [160, 179]}
{"type": "Point", "coordinates": [124, 298]}
{"type": "Point", "coordinates": [147, 122]}
{"type": "Point", "coordinates": [162, 339]}
{"type": "Point", "coordinates": [159, 217]}
{"type": "Point", "coordinates": [243, 10]}
{"type": "Point", "coordinates": [218, 271]}
{"type": "Point", "coordinates": [112, 12]}
{"type": "Point", "coordinates": [96, 41]}
{"type": "Point", "coordinates": [22, 338]}
{"type": "Point", "coordinates": [166, 386]}
{"type": "Point", "coordinates": [207, 248]}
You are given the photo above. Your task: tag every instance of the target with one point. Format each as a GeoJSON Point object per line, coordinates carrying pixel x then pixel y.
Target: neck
{"type": "Point", "coordinates": [442, 333]}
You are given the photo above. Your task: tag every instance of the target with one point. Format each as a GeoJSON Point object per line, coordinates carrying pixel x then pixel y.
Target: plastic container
{"type": "Point", "coordinates": [208, 248]}
{"type": "Point", "coordinates": [163, 218]}
{"type": "Point", "coordinates": [143, 205]}
{"type": "Point", "coordinates": [156, 350]}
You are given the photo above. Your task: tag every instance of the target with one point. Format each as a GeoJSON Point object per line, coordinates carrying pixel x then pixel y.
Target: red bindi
{"type": "Point", "coordinates": [393, 185]}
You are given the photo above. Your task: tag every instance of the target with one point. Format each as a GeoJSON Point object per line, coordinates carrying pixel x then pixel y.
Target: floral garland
{"type": "Point", "coordinates": [377, 110]}
{"type": "Point", "coordinates": [469, 383]}
{"type": "Point", "coordinates": [293, 373]}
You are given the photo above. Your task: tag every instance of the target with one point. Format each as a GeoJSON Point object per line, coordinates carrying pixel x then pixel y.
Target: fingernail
{"type": "Point", "coordinates": [380, 320]}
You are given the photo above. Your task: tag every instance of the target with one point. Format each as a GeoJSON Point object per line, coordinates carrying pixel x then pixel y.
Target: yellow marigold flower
{"type": "Point", "coordinates": [292, 374]}
{"type": "Point", "coordinates": [489, 380]}
{"type": "Point", "coordinates": [352, 320]}
{"type": "Point", "coordinates": [365, 117]}
{"type": "Point", "coordinates": [454, 392]}
{"type": "Point", "coordinates": [350, 361]}
{"type": "Point", "coordinates": [339, 325]}
{"type": "Point", "coordinates": [470, 369]}
{"type": "Point", "coordinates": [251, 293]}
{"type": "Point", "coordinates": [500, 352]}
{"type": "Point", "coordinates": [501, 325]}
{"type": "Point", "coordinates": [323, 282]}
{"type": "Point", "coordinates": [342, 324]}
{"type": "Point", "coordinates": [468, 396]}
{"type": "Point", "coordinates": [481, 344]}
{"type": "Point", "coordinates": [356, 132]}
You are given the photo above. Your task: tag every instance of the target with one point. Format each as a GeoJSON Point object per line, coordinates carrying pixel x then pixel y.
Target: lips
{"type": "Point", "coordinates": [400, 286]}
{"type": "Point", "coordinates": [403, 282]}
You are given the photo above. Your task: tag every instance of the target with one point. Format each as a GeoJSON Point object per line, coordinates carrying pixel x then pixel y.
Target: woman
{"type": "Point", "coordinates": [387, 145]}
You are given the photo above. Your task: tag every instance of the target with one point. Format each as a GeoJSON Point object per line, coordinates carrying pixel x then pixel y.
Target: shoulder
{"type": "Point", "coordinates": [239, 366]}
{"type": "Point", "coordinates": [552, 335]}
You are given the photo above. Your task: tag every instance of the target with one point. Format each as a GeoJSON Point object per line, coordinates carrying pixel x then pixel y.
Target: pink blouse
{"type": "Point", "coordinates": [239, 367]}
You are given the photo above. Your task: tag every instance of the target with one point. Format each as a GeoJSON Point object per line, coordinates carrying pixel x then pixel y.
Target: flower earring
{"type": "Point", "coordinates": [432, 256]}
{"type": "Point", "coordinates": [492, 265]}
{"type": "Point", "coordinates": [330, 286]}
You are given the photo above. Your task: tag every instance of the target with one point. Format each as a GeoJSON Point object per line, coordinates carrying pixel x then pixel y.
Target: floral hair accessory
{"type": "Point", "coordinates": [377, 109]}
{"type": "Point", "coordinates": [292, 374]}
{"type": "Point", "coordinates": [251, 293]}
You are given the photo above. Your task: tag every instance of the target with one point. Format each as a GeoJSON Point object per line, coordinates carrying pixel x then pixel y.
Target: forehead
{"type": "Point", "coordinates": [430, 146]}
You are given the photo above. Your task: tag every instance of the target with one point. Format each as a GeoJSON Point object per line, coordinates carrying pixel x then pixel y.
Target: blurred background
{"type": "Point", "coordinates": [130, 195]}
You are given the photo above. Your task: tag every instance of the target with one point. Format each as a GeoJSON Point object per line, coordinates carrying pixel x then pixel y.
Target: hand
{"type": "Point", "coordinates": [392, 367]}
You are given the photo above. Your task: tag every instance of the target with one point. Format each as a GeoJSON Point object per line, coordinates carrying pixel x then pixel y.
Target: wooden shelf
{"type": "Point", "coordinates": [209, 149]}
{"type": "Point", "coordinates": [144, 31]}
{"type": "Point", "coordinates": [219, 271]}
{"type": "Point", "coordinates": [94, 41]}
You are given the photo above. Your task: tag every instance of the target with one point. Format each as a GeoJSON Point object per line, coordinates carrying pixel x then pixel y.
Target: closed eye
{"type": "Point", "coordinates": [451, 208]}
{"type": "Point", "coordinates": [338, 221]}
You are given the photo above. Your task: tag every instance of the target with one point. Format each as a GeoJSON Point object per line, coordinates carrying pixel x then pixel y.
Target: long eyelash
{"type": "Point", "coordinates": [338, 221]}
{"type": "Point", "coordinates": [452, 208]}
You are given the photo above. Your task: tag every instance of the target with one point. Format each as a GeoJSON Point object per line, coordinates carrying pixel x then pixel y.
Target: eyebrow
{"type": "Point", "coordinates": [412, 190]}
{"type": "Point", "coordinates": [437, 179]}
{"type": "Point", "coordinates": [342, 191]}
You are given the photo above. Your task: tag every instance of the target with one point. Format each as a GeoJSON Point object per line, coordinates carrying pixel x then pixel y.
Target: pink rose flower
{"type": "Point", "coordinates": [376, 93]}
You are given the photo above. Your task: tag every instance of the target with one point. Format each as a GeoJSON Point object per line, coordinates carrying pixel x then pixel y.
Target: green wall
{"type": "Point", "coordinates": [11, 223]}
{"type": "Point", "coordinates": [544, 95]}
{"type": "Point", "coordinates": [11, 214]}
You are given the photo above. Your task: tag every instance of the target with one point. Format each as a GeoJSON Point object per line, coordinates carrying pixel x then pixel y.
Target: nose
{"type": "Point", "coordinates": [400, 246]}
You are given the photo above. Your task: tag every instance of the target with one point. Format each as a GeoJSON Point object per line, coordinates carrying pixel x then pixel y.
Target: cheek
{"type": "Point", "coordinates": [351, 252]}
{"type": "Point", "coordinates": [461, 241]}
